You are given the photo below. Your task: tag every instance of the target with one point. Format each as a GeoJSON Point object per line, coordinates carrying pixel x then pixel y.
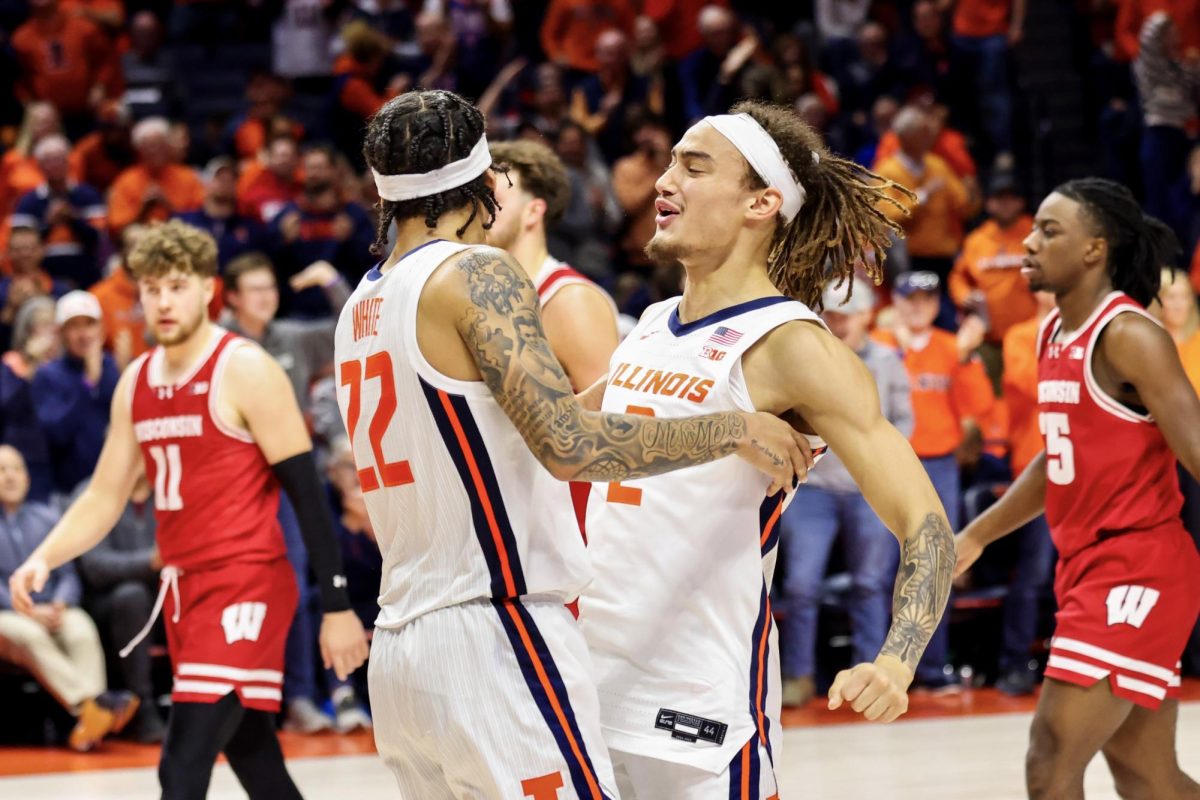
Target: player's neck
{"type": "Point", "coordinates": [413, 232]}
{"type": "Point", "coordinates": [1076, 305]}
{"type": "Point", "coordinates": [531, 252]}
{"type": "Point", "coordinates": [178, 359]}
{"type": "Point", "coordinates": [716, 283]}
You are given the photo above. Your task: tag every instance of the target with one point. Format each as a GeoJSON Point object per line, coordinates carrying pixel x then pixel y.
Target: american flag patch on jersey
{"type": "Point", "coordinates": [725, 336]}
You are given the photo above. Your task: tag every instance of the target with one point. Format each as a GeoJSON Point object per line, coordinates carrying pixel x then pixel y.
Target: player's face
{"type": "Point", "coordinates": [14, 478]}
{"type": "Point", "coordinates": [1177, 303]}
{"type": "Point", "coordinates": [175, 305]}
{"type": "Point", "coordinates": [513, 200]}
{"type": "Point", "coordinates": [257, 296]}
{"type": "Point", "coordinates": [702, 197]}
{"type": "Point", "coordinates": [918, 310]}
{"type": "Point", "coordinates": [1055, 249]}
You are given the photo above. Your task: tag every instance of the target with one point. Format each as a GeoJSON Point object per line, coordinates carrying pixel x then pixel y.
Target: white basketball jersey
{"type": "Point", "coordinates": [678, 619]}
{"type": "Point", "coordinates": [461, 509]}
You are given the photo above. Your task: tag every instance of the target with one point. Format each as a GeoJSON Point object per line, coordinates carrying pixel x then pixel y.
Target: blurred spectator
{"type": "Point", "coordinates": [26, 278]}
{"type": "Point", "coordinates": [927, 56]}
{"type": "Point", "coordinates": [871, 72]}
{"type": "Point", "coordinates": [19, 172]}
{"type": "Point", "coordinates": [550, 110]}
{"type": "Point", "coordinates": [984, 30]}
{"type": "Point", "coordinates": [948, 144]}
{"type": "Point", "coordinates": [714, 77]}
{"type": "Point", "coordinates": [798, 75]}
{"type": "Point", "coordinates": [429, 61]}
{"type": "Point", "coordinates": [74, 392]}
{"type": "Point", "coordinates": [59, 639]}
{"type": "Point", "coordinates": [102, 155]}
{"type": "Point", "coordinates": [480, 29]}
{"type": "Point", "coordinates": [677, 24]}
{"type": "Point", "coordinates": [304, 348]}
{"type": "Point", "coordinates": [235, 233]}
{"type": "Point", "coordinates": [840, 20]}
{"type": "Point", "coordinates": [633, 180]}
{"type": "Point", "coordinates": [121, 578]}
{"type": "Point", "coordinates": [593, 212]}
{"type": "Point", "coordinates": [152, 87]}
{"type": "Point", "coordinates": [987, 278]}
{"type": "Point", "coordinates": [830, 505]}
{"type": "Point", "coordinates": [65, 60]}
{"type": "Point", "coordinates": [35, 342]}
{"type": "Point", "coordinates": [949, 386]}
{"type": "Point", "coordinates": [1181, 318]}
{"type": "Point", "coordinates": [156, 187]}
{"type": "Point", "coordinates": [69, 216]}
{"type": "Point", "coordinates": [356, 72]}
{"type": "Point", "coordinates": [264, 191]}
{"type": "Point", "coordinates": [321, 226]}
{"type": "Point", "coordinates": [120, 303]}
{"type": "Point", "coordinates": [572, 28]}
{"type": "Point", "coordinates": [883, 112]}
{"type": "Point", "coordinates": [603, 103]}
{"type": "Point", "coordinates": [302, 39]}
{"type": "Point", "coordinates": [248, 133]}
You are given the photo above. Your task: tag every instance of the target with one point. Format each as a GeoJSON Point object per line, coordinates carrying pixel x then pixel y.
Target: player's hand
{"type": "Point", "coordinates": [968, 549]}
{"type": "Point", "coordinates": [29, 578]}
{"type": "Point", "coordinates": [319, 273]}
{"type": "Point", "coordinates": [878, 690]}
{"type": "Point", "coordinates": [343, 643]}
{"type": "Point", "coordinates": [777, 450]}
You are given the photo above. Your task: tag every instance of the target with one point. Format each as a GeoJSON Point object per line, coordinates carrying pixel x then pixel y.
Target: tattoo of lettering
{"type": "Point", "coordinates": [504, 334]}
{"type": "Point", "coordinates": [922, 590]}
{"type": "Point", "coordinates": [776, 459]}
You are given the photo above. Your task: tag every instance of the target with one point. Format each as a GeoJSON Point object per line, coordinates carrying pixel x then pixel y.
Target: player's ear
{"type": "Point", "coordinates": [535, 212]}
{"type": "Point", "coordinates": [767, 204]}
{"type": "Point", "coordinates": [210, 288]}
{"type": "Point", "coordinates": [1095, 251]}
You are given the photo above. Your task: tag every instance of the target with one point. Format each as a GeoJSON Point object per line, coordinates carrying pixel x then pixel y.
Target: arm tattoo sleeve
{"type": "Point", "coordinates": [504, 334]}
{"type": "Point", "coordinates": [922, 590]}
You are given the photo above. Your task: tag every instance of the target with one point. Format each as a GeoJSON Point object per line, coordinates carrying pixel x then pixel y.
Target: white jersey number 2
{"type": "Point", "coordinates": [1060, 454]}
{"type": "Point", "coordinates": [168, 472]}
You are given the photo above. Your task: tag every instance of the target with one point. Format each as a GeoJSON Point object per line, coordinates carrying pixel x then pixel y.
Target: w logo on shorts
{"type": "Point", "coordinates": [243, 621]}
{"type": "Point", "coordinates": [1130, 605]}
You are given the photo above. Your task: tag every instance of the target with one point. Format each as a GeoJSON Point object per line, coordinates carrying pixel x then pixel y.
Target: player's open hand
{"type": "Point", "coordinates": [968, 549]}
{"type": "Point", "coordinates": [343, 643]}
{"type": "Point", "coordinates": [29, 578]}
{"type": "Point", "coordinates": [877, 690]}
{"type": "Point", "coordinates": [777, 450]}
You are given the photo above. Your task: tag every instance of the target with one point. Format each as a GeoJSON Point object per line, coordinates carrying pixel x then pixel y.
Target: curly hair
{"type": "Point", "coordinates": [173, 246]}
{"type": "Point", "coordinates": [541, 171]}
{"type": "Point", "coordinates": [840, 227]}
{"type": "Point", "coordinates": [419, 132]}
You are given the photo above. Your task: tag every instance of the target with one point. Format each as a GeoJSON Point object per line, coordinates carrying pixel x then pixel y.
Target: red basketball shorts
{"type": "Point", "coordinates": [231, 634]}
{"type": "Point", "coordinates": [1126, 607]}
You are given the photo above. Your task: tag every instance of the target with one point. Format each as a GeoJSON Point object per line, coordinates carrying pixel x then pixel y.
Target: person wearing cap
{"type": "Point", "coordinates": [75, 391]}
{"type": "Point", "coordinates": [235, 233]}
{"type": "Point", "coordinates": [949, 387]}
{"type": "Point", "coordinates": [831, 506]}
{"type": "Point", "coordinates": [986, 280]}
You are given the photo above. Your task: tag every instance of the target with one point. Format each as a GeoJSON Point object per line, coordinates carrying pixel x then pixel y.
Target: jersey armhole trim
{"type": "Point", "coordinates": [137, 367]}
{"type": "Point", "coordinates": [1102, 398]}
{"type": "Point", "coordinates": [214, 392]}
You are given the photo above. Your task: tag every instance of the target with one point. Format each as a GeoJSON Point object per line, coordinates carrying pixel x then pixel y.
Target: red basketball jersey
{"type": "Point", "coordinates": [216, 499]}
{"type": "Point", "coordinates": [1108, 468]}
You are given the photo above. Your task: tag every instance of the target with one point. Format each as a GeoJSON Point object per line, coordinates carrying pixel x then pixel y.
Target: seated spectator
{"type": "Point", "coordinates": [120, 575]}
{"type": "Point", "coordinates": [102, 155]}
{"type": "Point", "coordinates": [157, 186]}
{"type": "Point", "coordinates": [633, 182]}
{"type": "Point", "coordinates": [571, 29]}
{"type": "Point", "coordinates": [304, 348]}
{"type": "Point", "coordinates": [883, 113]}
{"type": "Point", "coordinates": [321, 226]}
{"type": "Point", "coordinates": [593, 214]}
{"type": "Point", "coordinates": [987, 279]}
{"type": "Point", "coordinates": [70, 216]}
{"type": "Point", "coordinates": [151, 84]}
{"type": "Point", "coordinates": [948, 144]}
{"type": "Point", "coordinates": [717, 75]}
{"type": "Point", "coordinates": [830, 506]}
{"type": "Point", "coordinates": [265, 191]}
{"type": "Point", "coordinates": [121, 305]}
{"type": "Point", "coordinates": [602, 103]}
{"type": "Point", "coordinates": [19, 170]}
{"type": "Point", "coordinates": [35, 342]}
{"type": "Point", "coordinates": [798, 75]}
{"type": "Point", "coordinates": [74, 392]}
{"type": "Point", "coordinates": [949, 387]}
{"type": "Point", "coordinates": [58, 639]}
{"type": "Point", "coordinates": [26, 278]}
{"type": "Point", "coordinates": [234, 233]}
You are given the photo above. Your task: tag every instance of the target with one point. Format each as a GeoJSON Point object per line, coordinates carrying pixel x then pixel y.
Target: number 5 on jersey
{"type": "Point", "coordinates": [1060, 453]}
{"type": "Point", "coordinates": [378, 365]}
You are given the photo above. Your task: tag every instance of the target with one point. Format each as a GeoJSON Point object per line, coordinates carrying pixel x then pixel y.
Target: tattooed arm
{"type": "Point", "coordinates": [803, 368]}
{"type": "Point", "coordinates": [492, 304]}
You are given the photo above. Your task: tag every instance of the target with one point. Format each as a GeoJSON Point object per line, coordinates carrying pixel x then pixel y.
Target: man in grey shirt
{"type": "Point", "coordinates": [831, 504]}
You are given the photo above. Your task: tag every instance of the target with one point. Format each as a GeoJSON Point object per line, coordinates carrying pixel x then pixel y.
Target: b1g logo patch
{"type": "Point", "coordinates": [243, 621]}
{"type": "Point", "coordinates": [1130, 605]}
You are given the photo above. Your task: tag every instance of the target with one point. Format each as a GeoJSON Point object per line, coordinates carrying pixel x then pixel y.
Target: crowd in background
{"type": "Point", "coordinates": [100, 138]}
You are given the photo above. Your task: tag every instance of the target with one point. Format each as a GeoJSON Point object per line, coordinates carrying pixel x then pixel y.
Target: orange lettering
{"type": "Point", "coordinates": [649, 374]}
{"type": "Point", "coordinates": [617, 375]}
{"type": "Point", "coordinates": [673, 383]}
{"type": "Point", "coordinates": [544, 787]}
{"type": "Point", "coordinates": [700, 392]}
{"type": "Point", "coordinates": [683, 392]}
{"type": "Point", "coordinates": [657, 379]}
{"type": "Point", "coordinates": [628, 384]}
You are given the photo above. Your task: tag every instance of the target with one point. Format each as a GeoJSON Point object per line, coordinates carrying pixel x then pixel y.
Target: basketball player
{"type": "Point", "coordinates": [1114, 408]}
{"type": "Point", "coordinates": [678, 619]}
{"type": "Point", "coordinates": [454, 404]}
{"type": "Point", "coordinates": [218, 431]}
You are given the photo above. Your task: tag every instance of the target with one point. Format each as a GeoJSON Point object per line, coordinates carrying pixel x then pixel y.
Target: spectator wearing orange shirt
{"type": "Point", "coordinates": [156, 187]}
{"type": "Point", "coordinates": [1034, 567]}
{"type": "Point", "coordinates": [102, 155]}
{"type": "Point", "coordinates": [19, 172]}
{"type": "Point", "coordinates": [948, 144]}
{"type": "Point", "coordinates": [247, 134]}
{"type": "Point", "coordinates": [678, 23]}
{"type": "Point", "coordinates": [984, 30]}
{"type": "Point", "coordinates": [121, 306]}
{"type": "Point", "coordinates": [949, 387]}
{"type": "Point", "coordinates": [572, 27]}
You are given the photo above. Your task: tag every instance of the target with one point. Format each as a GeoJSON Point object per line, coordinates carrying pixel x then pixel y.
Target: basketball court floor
{"type": "Point", "coordinates": [967, 747]}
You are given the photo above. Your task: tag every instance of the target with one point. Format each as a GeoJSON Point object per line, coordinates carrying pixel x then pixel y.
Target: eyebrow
{"type": "Point", "coordinates": [692, 154]}
{"type": "Point", "coordinates": [1046, 221]}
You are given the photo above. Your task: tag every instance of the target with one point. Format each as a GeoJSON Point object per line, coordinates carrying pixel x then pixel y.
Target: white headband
{"type": "Point", "coordinates": [451, 176]}
{"type": "Point", "coordinates": [758, 148]}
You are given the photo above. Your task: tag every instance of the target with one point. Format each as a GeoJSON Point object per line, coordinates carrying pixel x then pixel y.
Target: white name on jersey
{"type": "Point", "coordinates": [187, 426]}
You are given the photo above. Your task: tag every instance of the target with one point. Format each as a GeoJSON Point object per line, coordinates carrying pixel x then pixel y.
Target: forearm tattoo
{"type": "Point", "coordinates": [922, 590]}
{"type": "Point", "coordinates": [504, 334]}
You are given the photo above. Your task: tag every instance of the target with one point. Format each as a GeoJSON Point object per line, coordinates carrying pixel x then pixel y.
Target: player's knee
{"type": "Point", "coordinates": [1044, 770]}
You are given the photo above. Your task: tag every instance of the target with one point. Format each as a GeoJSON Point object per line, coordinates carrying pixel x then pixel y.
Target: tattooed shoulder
{"type": "Point", "coordinates": [495, 281]}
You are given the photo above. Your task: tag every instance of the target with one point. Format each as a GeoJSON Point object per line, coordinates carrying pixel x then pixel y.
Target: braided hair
{"type": "Point", "coordinates": [840, 224]}
{"type": "Point", "coordinates": [1139, 246]}
{"type": "Point", "coordinates": [419, 132]}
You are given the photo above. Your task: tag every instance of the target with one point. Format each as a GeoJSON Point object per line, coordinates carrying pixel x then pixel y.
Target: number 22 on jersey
{"type": "Point", "coordinates": [352, 374]}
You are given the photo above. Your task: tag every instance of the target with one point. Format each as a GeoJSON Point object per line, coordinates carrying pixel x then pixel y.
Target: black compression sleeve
{"type": "Point", "coordinates": [298, 475]}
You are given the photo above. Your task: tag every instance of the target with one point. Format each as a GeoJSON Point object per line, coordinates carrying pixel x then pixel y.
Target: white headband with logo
{"type": "Point", "coordinates": [758, 148]}
{"type": "Point", "coordinates": [457, 173]}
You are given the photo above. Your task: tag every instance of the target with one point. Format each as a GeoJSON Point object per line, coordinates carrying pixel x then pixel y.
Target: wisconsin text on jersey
{"type": "Point", "coordinates": [656, 381]}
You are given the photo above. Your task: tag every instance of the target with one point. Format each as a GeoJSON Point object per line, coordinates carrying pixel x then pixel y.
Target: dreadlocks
{"type": "Point", "coordinates": [840, 224]}
{"type": "Point", "coordinates": [419, 132]}
{"type": "Point", "coordinates": [1139, 246]}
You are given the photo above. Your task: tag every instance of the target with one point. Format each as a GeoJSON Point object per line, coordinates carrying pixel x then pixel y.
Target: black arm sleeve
{"type": "Point", "coordinates": [298, 475]}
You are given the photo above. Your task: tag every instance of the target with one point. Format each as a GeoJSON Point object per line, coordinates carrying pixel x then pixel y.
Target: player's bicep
{"type": "Point", "coordinates": [257, 387]}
